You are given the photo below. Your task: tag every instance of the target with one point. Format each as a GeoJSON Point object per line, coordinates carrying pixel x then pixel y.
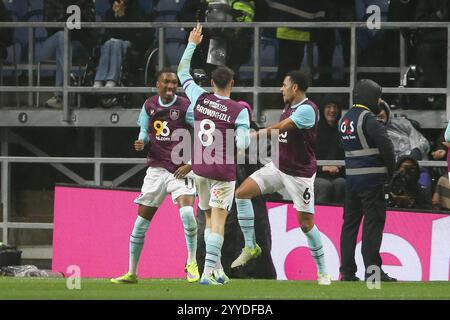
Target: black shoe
{"type": "Point", "coordinates": [386, 278]}
{"type": "Point", "coordinates": [351, 277]}
{"type": "Point", "coordinates": [383, 278]}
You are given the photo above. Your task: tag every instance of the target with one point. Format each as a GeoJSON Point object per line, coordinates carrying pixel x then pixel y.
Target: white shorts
{"type": "Point", "coordinates": [158, 182]}
{"type": "Point", "coordinates": [214, 193]}
{"type": "Point", "coordinates": [270, 179]}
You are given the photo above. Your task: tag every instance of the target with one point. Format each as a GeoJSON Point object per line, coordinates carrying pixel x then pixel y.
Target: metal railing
{"type": "Point", "coordinates": [256, 89]}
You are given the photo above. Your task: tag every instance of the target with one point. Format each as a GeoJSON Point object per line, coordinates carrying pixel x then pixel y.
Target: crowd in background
{"type": "Point", "coordinates": [115, 56]}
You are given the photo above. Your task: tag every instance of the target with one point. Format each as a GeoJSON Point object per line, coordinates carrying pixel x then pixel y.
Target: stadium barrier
{"type": "Point", "coordinates": [92, 227]}
{"type": "Point", "coordinates": [256, 89]}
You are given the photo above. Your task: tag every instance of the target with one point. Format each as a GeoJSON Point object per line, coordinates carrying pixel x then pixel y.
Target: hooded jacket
{"type": "Point", "coordinates": [369, 153]}
{"type": "Point", "coordinates": [329, 144]}
{"type": "Point", "coordinates": [405, 137]}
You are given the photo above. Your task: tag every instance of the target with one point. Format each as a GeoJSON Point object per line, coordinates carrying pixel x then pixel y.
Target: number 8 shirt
{"type": "Point", "coordinates": [215, 121]}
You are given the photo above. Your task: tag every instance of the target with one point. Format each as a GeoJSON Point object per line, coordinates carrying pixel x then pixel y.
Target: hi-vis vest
{"type": "Point", "coordinates": [247, 8]}
{"type": "Point", "coordinates": [364, 167]}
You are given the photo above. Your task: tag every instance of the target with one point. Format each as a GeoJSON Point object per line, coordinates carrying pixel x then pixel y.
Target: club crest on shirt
{"type": "Point", "coordinates": [174, 114]}
{"type": "Point", "coordinates": [152, 111]}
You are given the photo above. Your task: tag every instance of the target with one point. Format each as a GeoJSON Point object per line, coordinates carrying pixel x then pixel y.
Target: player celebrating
{"type": "Point", "coordinates": [161, 115]}
{"type": "Point", "coordinates": [296, 172]}
{"type": "Point", "coordinates": [212, 116]}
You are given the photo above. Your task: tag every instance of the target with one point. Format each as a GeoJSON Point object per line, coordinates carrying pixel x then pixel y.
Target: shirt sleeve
{"type": "Point", "coordinates": [447, 133]}
{"type": "Point", "coordinates": [243, 130]}
{"type": "Point", "coordinates": [190, 115]}
{"type": "Point", "coordinates": [143, 122]}
{"type": "Point", "coordinates": [193, 91]}
{"type": "Point", "coordinates": [304, 117]}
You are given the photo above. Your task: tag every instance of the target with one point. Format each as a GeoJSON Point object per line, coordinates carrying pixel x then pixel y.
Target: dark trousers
{"type": "Point", "coordinates": [372, 205]}
{"type": "Point", "coordinates": [290, 56]}
{"type": "Point", "coordinates": [432, 57]}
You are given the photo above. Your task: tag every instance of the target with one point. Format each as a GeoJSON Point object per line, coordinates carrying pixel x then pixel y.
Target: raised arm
{"type": "Point", "coordinates": [193, 91]}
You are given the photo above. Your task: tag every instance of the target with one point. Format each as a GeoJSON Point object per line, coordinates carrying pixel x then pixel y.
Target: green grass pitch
{"type": "Point", "coordinates": [170, 289]}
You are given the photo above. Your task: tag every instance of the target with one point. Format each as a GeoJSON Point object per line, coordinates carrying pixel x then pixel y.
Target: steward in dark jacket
{"type": "Point", "coordinates": [369, 161]}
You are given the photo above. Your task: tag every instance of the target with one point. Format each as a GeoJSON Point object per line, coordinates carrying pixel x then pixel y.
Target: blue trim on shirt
{"type": "Point", "coordinates": [143, 122]}
{"type": "Point", "coordinates": [221, 97]}
{"type": "Point", "coordinates": [304, 116]}
{"type": "Point", "coordinates": [447, 133]}
{"type": "Point", "coordinates": [189, 119]}
{"type": "Point", "coordinates": [243, 129]}
{"type": "Point", "coordinates": [193, 91]}
{"type": "Point", "coordinates": [169, 104]}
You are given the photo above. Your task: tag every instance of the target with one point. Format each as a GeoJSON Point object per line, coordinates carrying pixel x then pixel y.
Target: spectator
{"type": "Point", "coordinates": [118, 41]}
{"type": "Point", "coordinates": [81, 40]}
{"type": "Point", "coordinates": [292, 41]}
{"type": "Point", "coordinates": [406, 139]}
{"type": "Point", "coordinates": [329, 186]}
{"type": "Point", "coordinates": [238, 41]}
{"type": "Point", "coordinates": [405, 190]}
{"type": "Point", "coordinates": [6, 35]}
{"type": "Point", "coordinates": [441, 196]}
{"type": "Point", "coordinates": [439, 153]}
{"type": "Point", "coordinates": [327, 39]}
{"type": "Point", "coordinates": [432, 46]}
{"type": "Point", "coordinates": [369, 39]}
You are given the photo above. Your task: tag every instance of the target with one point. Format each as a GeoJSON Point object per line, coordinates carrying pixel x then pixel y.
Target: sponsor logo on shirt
{"type": "Point", "coordinates": [282, 137]}
{"type": "Point", "coordinates": [215, 105]}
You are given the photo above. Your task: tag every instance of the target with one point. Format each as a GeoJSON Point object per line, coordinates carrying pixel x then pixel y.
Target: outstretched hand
{"type": "Point", "coordinates": [196, 35]}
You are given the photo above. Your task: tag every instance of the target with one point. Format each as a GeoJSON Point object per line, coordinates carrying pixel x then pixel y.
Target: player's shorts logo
{"type": "Point", "coordinates": [282, 137]}
{"type": "Point", "coordinates": [174, 114]}
{"type": "Point", "coordinates": [216, 193]}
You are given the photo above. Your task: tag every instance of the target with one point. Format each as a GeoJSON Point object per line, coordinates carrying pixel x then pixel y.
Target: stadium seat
{"type": "Point", "coordinates": [167, 10]}
{"type": "Point", "coordinates": [146, 6]}
{"type": "Point", "coordinates": [18, 7]}
{"type": "Point", "coordinates": [175, 33]}
{"type": "Point", "coordinates": [36, 5]}
{"type": "Point", "coordinates": [14, 52]}
{"type": "Point", "coordinates": [268, 60]}
{"type": "Point", "coordinates": [101, 6]}
{"type": "Point", "coordinates": [174, 50]}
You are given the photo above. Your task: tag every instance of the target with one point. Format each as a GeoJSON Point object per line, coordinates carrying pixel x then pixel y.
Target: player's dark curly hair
{"type": "Point", "coordinates": [222, 76]}
{"type": "Point", "coordinates": [164, 70]}
{"type": "Point", "coordinates": [299, 78]}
